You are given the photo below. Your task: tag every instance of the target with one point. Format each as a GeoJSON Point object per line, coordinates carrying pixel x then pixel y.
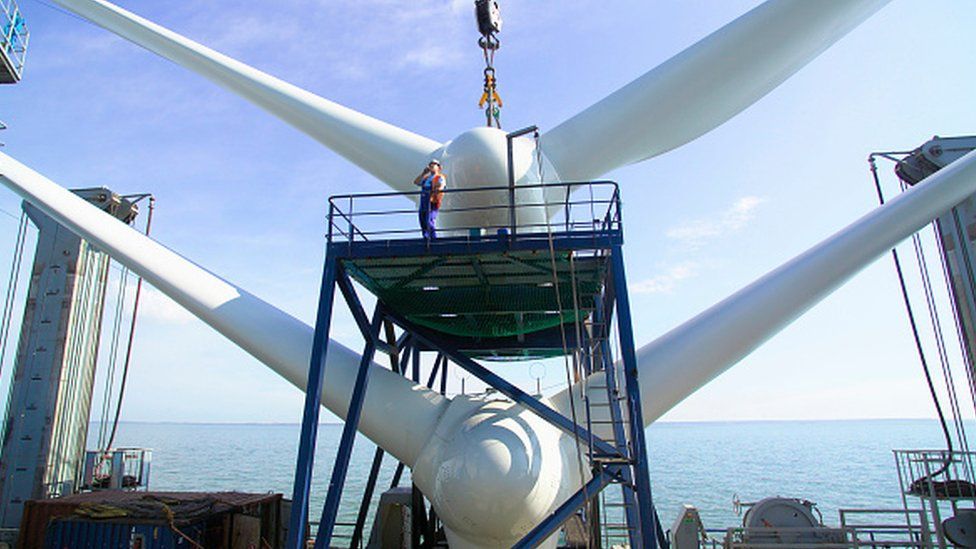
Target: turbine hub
{"type": "Point", "coordinates": [478, 158]}
{"type": "Point", "coordinates": [493, 470]}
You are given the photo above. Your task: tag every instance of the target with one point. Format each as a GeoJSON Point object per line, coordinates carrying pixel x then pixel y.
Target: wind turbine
{"type": "Point", "coordinates": [687, 96]}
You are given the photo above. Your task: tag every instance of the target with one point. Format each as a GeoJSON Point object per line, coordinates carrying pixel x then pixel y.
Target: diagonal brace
{"type": "Point", "coordinates": [359, 313]}
{"type": "Point", "coordinates": [551, 524]}
{"type": "Point", "coordinates": [340, 467]}
{"type": "Point", "coordinates": [505, 387]}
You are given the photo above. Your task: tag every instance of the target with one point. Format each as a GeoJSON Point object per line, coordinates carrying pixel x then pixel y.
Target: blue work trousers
{"type": "Point", "coordinates": [428, 220]}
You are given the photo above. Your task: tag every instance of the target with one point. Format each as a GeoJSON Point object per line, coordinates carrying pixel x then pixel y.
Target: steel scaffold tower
{"type": "Point", "coordinates": [525, 291]}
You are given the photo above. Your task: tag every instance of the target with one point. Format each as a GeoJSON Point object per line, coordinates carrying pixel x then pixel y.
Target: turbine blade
{"type": "Point", "coordinates": [274, 337]}
{"type": "Point", "coordinates": [390, 153]}
{"type": "Point", "coordinates": [701, 87]}
{"type": "Point", "coordinates": [680, 362]}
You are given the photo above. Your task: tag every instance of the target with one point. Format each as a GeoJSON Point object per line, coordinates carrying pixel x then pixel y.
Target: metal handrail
{"type": "Point", "coordinates": [343, 215]}
{"type": "Point", "coordinates": [565, 184]}
{"type": "Point", "coordinates": [368, 213]}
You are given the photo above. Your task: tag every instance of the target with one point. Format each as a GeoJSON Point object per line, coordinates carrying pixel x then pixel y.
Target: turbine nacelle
{"type": "Point", "coordinates": [478, 158]}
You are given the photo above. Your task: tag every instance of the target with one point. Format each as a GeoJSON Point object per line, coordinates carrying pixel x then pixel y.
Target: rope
{"type": "Point", "coordinates": [562, 334]}
{"type": "Point", "coordinates": [113, 355]}
{"type": "Point", "coordinates": [132, 331]}
{"type": "Point", "coordinates": [171, 519]}
{"type": "Point", "coordinates": [939, 340]}
{"type": "Point", "coordinates": [957, 321]}
{"type": "Point", "coordinates": [917, 338]}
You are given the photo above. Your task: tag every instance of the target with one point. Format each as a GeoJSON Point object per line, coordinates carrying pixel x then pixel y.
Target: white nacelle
{"type": "Point", "coordinates": [478, 158]}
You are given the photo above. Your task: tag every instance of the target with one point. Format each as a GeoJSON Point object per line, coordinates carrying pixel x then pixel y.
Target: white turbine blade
{"type": "Point", "coordinates": [680, 362]}
{"type": "Point", "coordinates": [701, 87]}
{"type": "Point", "coordinates": [390, 153]}
{"type": "Point", "coordinates": [274, 337]}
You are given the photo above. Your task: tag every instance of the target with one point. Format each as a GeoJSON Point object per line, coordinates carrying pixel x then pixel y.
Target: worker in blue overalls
{"type": "Point", "coordinates": [432, 184]}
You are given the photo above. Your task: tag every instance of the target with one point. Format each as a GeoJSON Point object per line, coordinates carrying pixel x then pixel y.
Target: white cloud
{"type": "Point", "coordinates": [155, 305]}
{"type": "Point", "coordinates": [238, 32]}
{"type": "Point", "coordinates": [430, 34]}
{"type": "Point", "coordinates": [665, 283]}
{"type": "Point", "coordinates": [430, 56]}
{"type": "Point", "coordinates": [696, 233]}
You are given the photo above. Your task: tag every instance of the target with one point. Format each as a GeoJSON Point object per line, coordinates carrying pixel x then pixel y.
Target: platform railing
{"type": "Point", "coordinates": [13, 36]}
{"type": "Point", "coordinates": [480, 212]}
{"type": "Point", "coordinates": [810, 538]}
{"type": "Point", "coordinates": [858, 529]}
{"type": "Point", "coordinates": [342, 535]}
{"type": "Point", "coordinates": [883, 528]}
{"type": "Point", "coordinates": [940, 482]}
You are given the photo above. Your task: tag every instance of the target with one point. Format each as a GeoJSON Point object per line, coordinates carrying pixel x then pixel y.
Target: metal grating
{"type": "Point", "coordinates": [491, 295]}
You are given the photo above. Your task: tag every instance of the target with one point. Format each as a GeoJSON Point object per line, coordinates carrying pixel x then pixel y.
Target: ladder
{"type": "Point", "coordinates": [619, 519]}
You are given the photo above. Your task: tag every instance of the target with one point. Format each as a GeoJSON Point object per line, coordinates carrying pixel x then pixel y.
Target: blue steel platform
{"type": "Point", "coordinates": [389, 260]}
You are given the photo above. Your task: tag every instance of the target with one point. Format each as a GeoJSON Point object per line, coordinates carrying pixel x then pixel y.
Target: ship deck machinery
{"type": "Point", "coordinates": [508, 291]}
{"type": "Point", "coordinates": [937, 487]}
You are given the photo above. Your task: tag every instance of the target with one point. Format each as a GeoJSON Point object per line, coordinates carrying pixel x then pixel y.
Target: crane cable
{"type": "Point", "coordinates": [113, 359]}
{"type": "Point", "coordinates": [918, 341]}
{"type": "Point", "coordinates": [964, 349]}
{"type": "Point", "coordinates": [940, 341]}
{"type": "Point", "coordinates": [489, 25]}
{"type": "Point", "coordinates": [132, 331]}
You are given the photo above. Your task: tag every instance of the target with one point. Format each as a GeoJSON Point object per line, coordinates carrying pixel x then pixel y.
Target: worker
{"type": "Point", "coordinates": [432, 184]}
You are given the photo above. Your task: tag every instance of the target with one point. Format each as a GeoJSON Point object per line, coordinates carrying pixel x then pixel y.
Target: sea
{"type": "Point", "coordinates": [835, 464]}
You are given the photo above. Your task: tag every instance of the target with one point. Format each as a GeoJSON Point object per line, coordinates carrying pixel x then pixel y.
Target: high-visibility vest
{"type": "Point", "coordinates": [436, 194]}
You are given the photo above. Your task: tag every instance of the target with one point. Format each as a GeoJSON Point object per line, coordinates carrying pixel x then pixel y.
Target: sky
{"type": "Point", "coordinates": [244, 195]}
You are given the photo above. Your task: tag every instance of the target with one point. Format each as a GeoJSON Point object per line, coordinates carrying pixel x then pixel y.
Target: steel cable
{"type": "Point", "coordinates": [113, 358]}
{"type": "Point", "coordinates": [132, 331]}
{"type": "Point", "coordinates": [12, 283]}
{"type": "Point", "coordinates": [938, 332]}
{"type": "Point", "coordinates": [562, 334]}
{"type": "Point", "coordinates": [917, 338]}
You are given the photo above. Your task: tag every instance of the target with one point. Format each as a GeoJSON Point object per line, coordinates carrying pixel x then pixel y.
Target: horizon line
{"type": "Point", "coordinates": [670, 422]}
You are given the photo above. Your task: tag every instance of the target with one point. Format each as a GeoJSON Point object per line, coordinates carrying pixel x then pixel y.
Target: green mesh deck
{"type": "Point", "coordinates": [485, 295]}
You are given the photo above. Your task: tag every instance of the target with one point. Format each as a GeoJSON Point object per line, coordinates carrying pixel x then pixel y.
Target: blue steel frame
{"type": "Point", "coordinates": [624, 464]}
{"type": "Point", "coordinates": [310, 417]}
{"type": "Point", "coordinates": [647, 516]}
{"type": "Point", "coordinates": [334, 275]}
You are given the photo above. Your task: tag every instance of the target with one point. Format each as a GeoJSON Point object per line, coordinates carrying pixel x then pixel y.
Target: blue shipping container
{"type": "Point", "coordinates": [86, 534]}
